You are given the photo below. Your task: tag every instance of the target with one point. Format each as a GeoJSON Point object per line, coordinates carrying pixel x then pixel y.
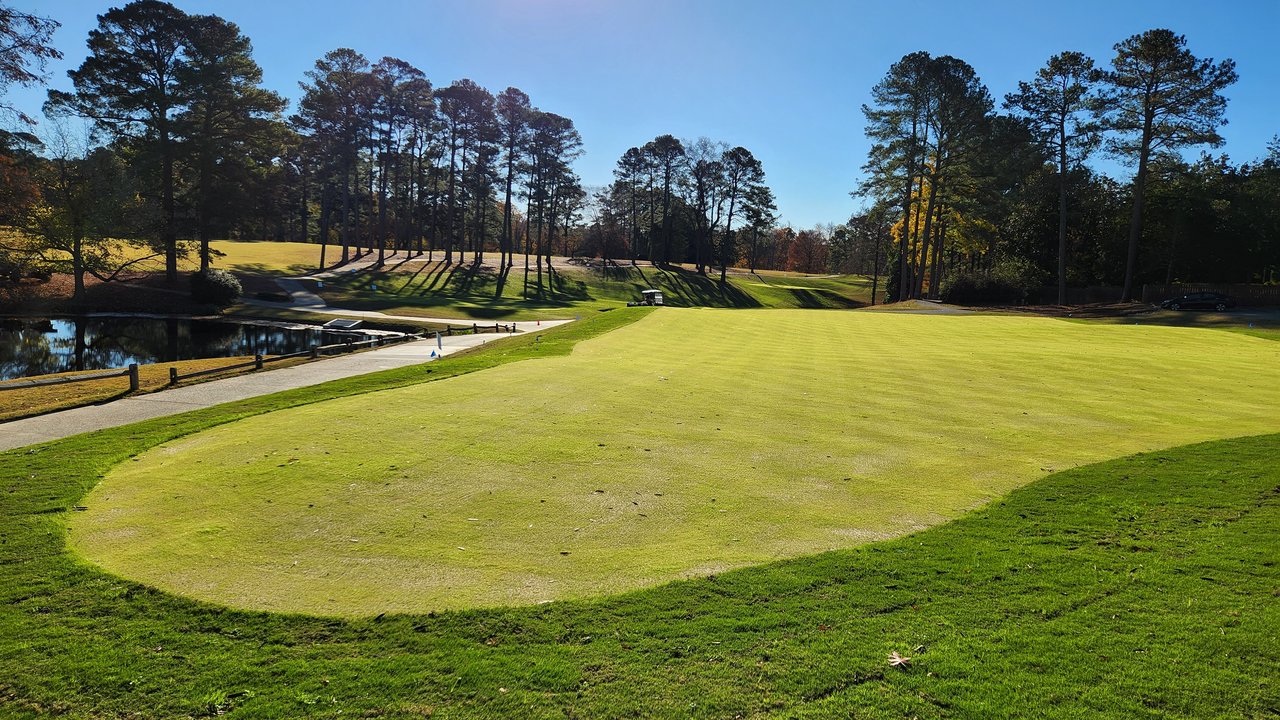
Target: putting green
{"type": "Point", "coordinates": [690, 442]}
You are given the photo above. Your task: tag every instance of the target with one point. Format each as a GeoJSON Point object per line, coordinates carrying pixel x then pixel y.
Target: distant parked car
{"type": "Point", "coordinates": [1200, 300]}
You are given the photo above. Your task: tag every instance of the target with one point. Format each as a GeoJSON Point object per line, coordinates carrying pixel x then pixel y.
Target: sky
{"type": "Point", "coordinates": [785, 79]}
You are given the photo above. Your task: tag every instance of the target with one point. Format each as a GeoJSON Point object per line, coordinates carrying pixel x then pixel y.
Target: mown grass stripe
{"type": "Point", "coordinates": [690, 443]}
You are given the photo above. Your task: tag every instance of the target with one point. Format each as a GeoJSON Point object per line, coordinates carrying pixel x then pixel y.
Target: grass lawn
{"type": "Point", "coordinates": [264, 258]}
{"type": "Point", "coordinates": [242, 256]}
{"type": "Point", "coordinates": [686, 444]}
{"type": "Point", "coordinates": [458, 291]}
{"type": "Point", "coordinates": [1142, 587]}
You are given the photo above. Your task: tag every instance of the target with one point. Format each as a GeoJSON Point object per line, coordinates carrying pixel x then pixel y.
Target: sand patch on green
{"type": "Point", "coordinates": [691, 442]}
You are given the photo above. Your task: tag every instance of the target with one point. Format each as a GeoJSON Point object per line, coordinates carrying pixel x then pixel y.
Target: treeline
{"type": "Point", "coordinates": [673, 201]}
{"type": "Point", "coordinates": [962, 201]}
{"type": "Point", "coordinates": [972, 205]}
{"type": "Point", "coordinates": [187, 145]}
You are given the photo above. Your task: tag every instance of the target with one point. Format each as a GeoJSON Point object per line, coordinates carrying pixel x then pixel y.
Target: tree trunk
{"type": "Point", "coordinates": [538, 256]}
{"type": "Point", "coordinates": [77, 263]}
{"type": "Point", "coordinates": [345, 232]}
{"type": "Point", "coordinates": [324, 222]}
{"type": "Point", "coordinates": [1135, 221]}
{"type": "Point", "coordinates": [916, 279]}
{"type": "Point", "coordinates": [666, 217]}
{"type": "Point", "coordinates": [635, 226]}
{"type": "Point", "coordinates": [727, 243]}
{"type": "Point", "coordinates": [528, 209]}
{"type": "Point", "coordinates": [926, 236]}
{"type": "Point", "coordinates": [904, 251]}
{"type": "Point", "coordinates": [305, 210]}
{"type": "Point", "coordinates": [448, 231]}
{"type": "Point", "coordinates": [935, 277]}
{"type": "Point", "coordinates": [483, 207]}
{"type": "Point", "coordinates": [382, 206]}
{"type": "Point", "coordinates": [875, 269]}
{"type": "Point", "coordinates": [508, 254]}
{"type": "Point", "coordinates": [1062, 211]}
{"type": "Point", "coordinates": [169, 233]}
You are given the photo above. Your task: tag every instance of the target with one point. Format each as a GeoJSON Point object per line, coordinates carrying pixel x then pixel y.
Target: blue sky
{"type": "Point", "coordinates": [786, 80]}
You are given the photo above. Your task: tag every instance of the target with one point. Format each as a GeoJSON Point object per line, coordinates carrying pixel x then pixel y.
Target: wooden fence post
{"type": "Point", "coordinates": [315, 351]}
{"type": "Point", "coordinates": [133, 377]}
{"type": "Point", "coordinates": [257, 361]}
{"type": "Point", "coordinates": [173, 376]}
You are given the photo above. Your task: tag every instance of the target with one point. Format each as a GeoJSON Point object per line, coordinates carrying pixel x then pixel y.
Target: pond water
{"type": "Point", "coordinates": [31, 346]}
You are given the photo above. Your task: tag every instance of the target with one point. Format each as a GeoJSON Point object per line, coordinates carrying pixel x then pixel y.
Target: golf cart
{"type": "Point", "coordinates": [648, 297]}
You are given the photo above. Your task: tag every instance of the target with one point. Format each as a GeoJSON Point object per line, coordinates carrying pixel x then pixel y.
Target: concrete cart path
{"type": "Point", "coordinates": [57, 425]}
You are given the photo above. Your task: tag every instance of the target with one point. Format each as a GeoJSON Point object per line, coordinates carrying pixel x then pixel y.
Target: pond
{"type": "Point", "coordinates": [37, 346]}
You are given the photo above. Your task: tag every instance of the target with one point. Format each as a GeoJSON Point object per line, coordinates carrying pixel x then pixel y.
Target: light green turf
{"type": "Point", "coordinates": [687, 443]}
{"type": "Point", "coordinates": [247, 256]}
{"type": "Point", "coordinates": [276, 258]}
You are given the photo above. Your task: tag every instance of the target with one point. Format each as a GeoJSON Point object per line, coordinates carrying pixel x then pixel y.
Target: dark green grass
{"type": "Point", "coordinates": [467, 292]}
{"type": "Point", "coordinates": [1140, 587]}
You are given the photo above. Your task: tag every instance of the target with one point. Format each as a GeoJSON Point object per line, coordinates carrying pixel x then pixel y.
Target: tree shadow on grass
{"type": "Point", "coordinates": [822, 300]}
{"type": "Point", "coordinates": [694, 290]}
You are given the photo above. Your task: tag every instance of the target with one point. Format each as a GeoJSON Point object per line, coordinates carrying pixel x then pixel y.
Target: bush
{"type": "Point", "coordinates": [1010, 282]}
{"type": "Point", "coordinates": [11, 270]}
{"type": "Point", "coordinates": [215, 287]}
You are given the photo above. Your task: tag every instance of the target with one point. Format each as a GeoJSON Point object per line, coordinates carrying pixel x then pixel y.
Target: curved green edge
{"type": "Point", "coordinates": [1139, 587]}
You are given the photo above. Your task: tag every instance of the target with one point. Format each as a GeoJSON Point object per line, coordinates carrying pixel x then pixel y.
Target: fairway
{"type": "Point", "coordinates": [688, 443]}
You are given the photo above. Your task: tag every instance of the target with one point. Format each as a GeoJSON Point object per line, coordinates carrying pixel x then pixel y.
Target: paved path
{"type": "Point", "coordinates": [66, 423]}
{"type": "Point", "coordinates": [58, 425]}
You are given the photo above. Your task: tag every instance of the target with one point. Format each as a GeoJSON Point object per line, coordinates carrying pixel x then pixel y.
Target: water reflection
{"type": "Point", "coordinates": [40, 346]}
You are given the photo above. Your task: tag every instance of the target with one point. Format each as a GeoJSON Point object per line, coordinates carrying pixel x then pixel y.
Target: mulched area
{"type": "Point", "coordinates": [1092, 310]}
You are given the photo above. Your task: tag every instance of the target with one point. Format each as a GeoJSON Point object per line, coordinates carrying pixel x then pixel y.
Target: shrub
{"type": "Point", "coordinates": [1010, 282]}
{"type": "Point", "coordinates": [14, 266]}
{"type": "Point", "coordinates": [215, 287]}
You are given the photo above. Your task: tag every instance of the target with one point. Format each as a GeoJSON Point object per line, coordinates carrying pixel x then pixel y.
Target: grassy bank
{"type": "Point", "coordinates": [468, 292]}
